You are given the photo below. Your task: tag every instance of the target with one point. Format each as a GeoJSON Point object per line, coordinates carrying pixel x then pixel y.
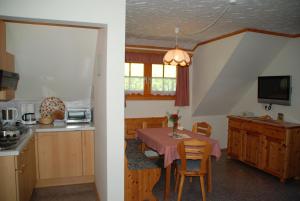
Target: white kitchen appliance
{"type": "Point", "coordinates": [78, 115]}
{"type": "Point", "coordinates": [9, 115]}
{"type": "Point", "coordinates": [28, 113]}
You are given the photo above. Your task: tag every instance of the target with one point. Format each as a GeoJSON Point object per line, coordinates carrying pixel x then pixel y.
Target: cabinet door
{"type": "Point", "coordinates": [273, 156]}
{"type": "Point", "coordinates": [251, 144]}
{"type": "Point", "coordinates": [234, 148]}
{"type": "Point", "coordinates": [7, 179]}
{"type": "Point", "coordinates": [88, 152]}
{"type": "Point", "coordinates": [59, 154]}
{"type": "Point", "coordinates": [26, 172]}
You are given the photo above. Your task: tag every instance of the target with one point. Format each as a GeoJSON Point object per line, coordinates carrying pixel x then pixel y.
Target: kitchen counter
{"type": "Point", "coordinates": [44, 128]}
{"type": "Point", "coordinates": [16, 151]}
{"type": "Point", "coordinates": [67, 127]}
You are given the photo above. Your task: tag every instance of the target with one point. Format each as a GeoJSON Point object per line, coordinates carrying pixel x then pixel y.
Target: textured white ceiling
{"type": "Point", "coordinates": [151, 20]}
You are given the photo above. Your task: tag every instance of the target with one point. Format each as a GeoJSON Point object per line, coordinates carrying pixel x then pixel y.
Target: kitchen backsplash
{"type": "Point", "coordinates": [37, 103]}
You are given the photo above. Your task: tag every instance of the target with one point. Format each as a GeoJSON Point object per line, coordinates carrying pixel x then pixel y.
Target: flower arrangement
{"type": "Point", "coordinates": [174, 118]}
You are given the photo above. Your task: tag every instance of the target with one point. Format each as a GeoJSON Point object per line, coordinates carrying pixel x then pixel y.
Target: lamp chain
{"type": "Point", "coordinates": [176, 36]}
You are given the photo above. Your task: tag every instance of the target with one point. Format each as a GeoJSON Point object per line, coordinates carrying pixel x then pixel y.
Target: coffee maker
{"type": "Point", "coordinates": [28, 113]}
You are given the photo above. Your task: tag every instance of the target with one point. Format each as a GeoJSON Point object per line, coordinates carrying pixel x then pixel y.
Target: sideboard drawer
{"type": "Point", "coordinates": [274, 132]}
{"type": "Point", "coordinates": [235, 123]}
{"type": "Point", "coordinates": [249, 126]}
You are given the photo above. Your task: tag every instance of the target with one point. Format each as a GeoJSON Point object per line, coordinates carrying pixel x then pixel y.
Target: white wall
{"type": "Point", "coordinates": [157, 108]}
{"type": "Point", "coordinates": [220, 92]}
{"type": "Point", "coordinates": [99, 104]}
{"type": "Point", "coordinates": [110, 14]}
{"type": "Point", "coordinates": [50, 65]}
{"type": "Point", "coordinates": [208, 61]}
{"type": "Point", "coordinates": [286, 63]}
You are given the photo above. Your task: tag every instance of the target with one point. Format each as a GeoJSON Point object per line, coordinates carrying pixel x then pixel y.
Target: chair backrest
{"type": "Point", "coordinates": [194, 150]}
{"type": "Point", "coordinates": [202, 128]}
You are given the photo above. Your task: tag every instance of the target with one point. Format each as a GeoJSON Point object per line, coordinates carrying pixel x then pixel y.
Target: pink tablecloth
{"type": "Point", "coordinates": [159, 140]}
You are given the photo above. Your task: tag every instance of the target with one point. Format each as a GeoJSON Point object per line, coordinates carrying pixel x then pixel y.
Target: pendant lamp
{"type": "Point", "coordinates": [177, 57]}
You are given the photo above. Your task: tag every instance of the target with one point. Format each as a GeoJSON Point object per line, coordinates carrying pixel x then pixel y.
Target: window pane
{"type": "Point", "coordinates": [157, 70]}
{"type": "Point", "coordinates": [169, 84]}
{"type": "Point", "coordinates": [157, 84]}
{"type": "Point", "coordinates": [137, 69]}
{"type": "Point", "coordinates": [136, 84]}
{"type": "Point", "coordinates": [170, 71]}
{"type": "Point", "coordinates": [126, 69]}
{"type": "Point", "coordinates": [127, 83]}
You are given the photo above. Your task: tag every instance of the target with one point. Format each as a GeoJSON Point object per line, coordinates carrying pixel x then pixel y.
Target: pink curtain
{"type": "Point", "coordinates": [152, 58]}
{"type": "Point", "coordinates": [182, 87]}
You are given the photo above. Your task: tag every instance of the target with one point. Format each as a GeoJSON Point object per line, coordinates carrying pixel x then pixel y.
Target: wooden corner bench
{"type": "Point", "coordinates": [141, 174]}
{"type": "Point", "coordinates": [132, 124]}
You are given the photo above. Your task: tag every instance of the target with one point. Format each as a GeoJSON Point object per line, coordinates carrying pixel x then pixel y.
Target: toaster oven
{"type": "Point", "coordinates": [78, 115]}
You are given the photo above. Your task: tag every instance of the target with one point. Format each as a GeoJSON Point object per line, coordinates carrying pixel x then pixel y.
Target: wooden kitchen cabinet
{"type": "Point", "coordinates": [65, 157]}
{"type": "Point", "coordinates": [59, 154]}
{"type": "Point", "coordinates": [88, 153]}
{"type": "Point", "coordinates": [269, 145]}
{"type": "Point", "coordinates": [17, 175]}
{"type": "Point", "coordinates": [7, 62]}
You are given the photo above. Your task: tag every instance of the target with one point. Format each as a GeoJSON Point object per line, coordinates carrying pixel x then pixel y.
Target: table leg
{"type": "Point", "coordinates": [209, 176]}
{"type": "Point", "coordinates": [168, 181]}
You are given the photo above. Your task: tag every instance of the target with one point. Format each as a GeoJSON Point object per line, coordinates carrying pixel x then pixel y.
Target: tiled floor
{"type": "Point", "coordinates": [232, 181]}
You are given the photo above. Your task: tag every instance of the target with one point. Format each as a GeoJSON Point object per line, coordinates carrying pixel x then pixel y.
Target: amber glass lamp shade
{"type": "Point", "coordinates": [177, 57]}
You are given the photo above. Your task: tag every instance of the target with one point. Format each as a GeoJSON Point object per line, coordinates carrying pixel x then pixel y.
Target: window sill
{"type": "Point", "coordinates": [149, 97]}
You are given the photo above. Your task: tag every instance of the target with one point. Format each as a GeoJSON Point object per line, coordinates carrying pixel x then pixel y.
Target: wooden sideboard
{"type": "Point", "coordinates": [268, 145]}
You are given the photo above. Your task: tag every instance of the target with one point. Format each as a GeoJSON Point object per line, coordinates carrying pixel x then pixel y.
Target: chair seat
{"type": "Point", "coordinates": [191, 165]}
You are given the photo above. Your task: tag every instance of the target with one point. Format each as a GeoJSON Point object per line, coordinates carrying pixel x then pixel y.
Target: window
{"type": "Point", "coordinates": [163, 80]}
{"type": "Point", "coordinates": [134, 78]}
{"type": "Point", "coordinates": [150, 81]}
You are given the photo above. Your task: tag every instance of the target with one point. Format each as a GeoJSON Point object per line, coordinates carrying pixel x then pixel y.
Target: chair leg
{"type": "Point", "coordinates": [202, 188]}
{"type": "Point", "coordinates": [182, 177]}
{"type": "Point", "coordinates": [177, 181]}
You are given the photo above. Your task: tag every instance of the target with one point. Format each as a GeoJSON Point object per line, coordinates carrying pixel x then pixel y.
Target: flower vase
{"type": "Point", "coordinates": [175, 125]}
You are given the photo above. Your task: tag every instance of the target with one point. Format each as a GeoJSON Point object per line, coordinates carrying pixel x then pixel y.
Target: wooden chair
{"type": "Point", "coordinates": [202, 128]}
{"type": "Point", "coordinates": [194, 155]}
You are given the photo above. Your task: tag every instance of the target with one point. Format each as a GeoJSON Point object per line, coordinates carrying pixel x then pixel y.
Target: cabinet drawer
{"type": "Point", "coordinates": [274, 132]}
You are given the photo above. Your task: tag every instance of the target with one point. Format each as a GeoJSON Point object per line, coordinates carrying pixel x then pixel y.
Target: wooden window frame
{"type": "Point", "coordinates": [147, 87]}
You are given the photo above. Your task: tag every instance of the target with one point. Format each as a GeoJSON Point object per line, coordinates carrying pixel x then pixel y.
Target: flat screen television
{"type": "Point", "coordinates": [274, 90]}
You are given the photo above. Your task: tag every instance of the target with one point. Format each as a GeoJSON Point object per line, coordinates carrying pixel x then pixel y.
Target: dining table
{"type": "Point", "coordinates": [165, 143]}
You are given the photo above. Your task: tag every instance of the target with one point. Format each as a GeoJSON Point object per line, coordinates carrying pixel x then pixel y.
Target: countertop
{"type": "Point", "coordinates": [66, 127]}
{"type": "Point", "coordinates": [44, 128]}
{"type": "Point", "coordinates": [16, 151]}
